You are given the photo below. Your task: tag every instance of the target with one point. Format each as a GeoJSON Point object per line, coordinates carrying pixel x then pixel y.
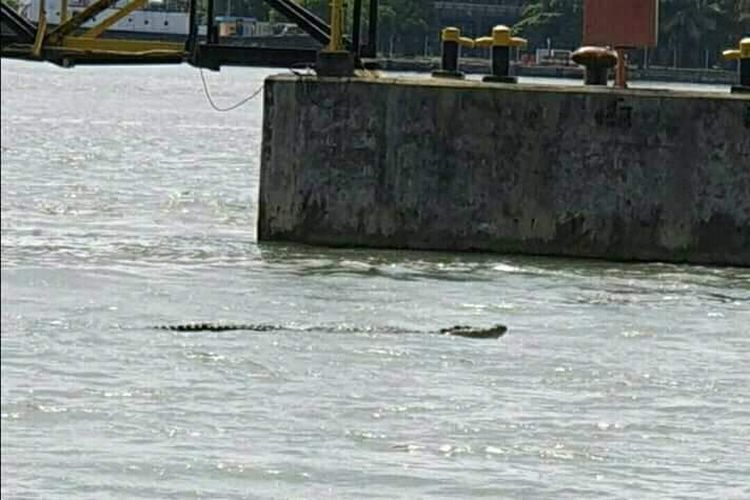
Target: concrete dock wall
{"type": "Point", "coordinates": [566, 171]}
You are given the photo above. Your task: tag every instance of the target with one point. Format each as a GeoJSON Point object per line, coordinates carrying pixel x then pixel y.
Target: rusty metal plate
{"type": "Point", "coordinates": [621, 23]}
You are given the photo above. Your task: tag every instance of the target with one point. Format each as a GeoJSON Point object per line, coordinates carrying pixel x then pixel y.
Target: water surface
{"type": "Point", "coordinates": [128, 202]}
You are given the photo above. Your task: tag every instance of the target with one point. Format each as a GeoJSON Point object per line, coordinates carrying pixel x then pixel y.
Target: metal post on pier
{"type": "Point", "coordinates": [621, 68]}
{"type": "Point", "coordinates": [191, 41]}
{"type": "Point", "coordinates": [64, 11]}
{"type": "Point", "coordinates": [372, 31]}
{"type": "Point", "coordinates": [337, 18]}
{"type": "Point", "coordinates": [334, 59]}
{"type": "Point", "coordinates": [210, 28]}
{"type": "Point", "coordinates": [356, 27]}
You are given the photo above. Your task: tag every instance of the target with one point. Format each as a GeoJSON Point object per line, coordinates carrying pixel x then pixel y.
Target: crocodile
{"type": "Point", "coordinates": [492, 332]}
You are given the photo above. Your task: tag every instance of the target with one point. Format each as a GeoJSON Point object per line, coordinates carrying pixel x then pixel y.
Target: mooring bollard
{"type": "Point", "coordinates": [743, 55]}
{"type": "Point", "coordinates": [452, 42]}
{"type": "Point", "coordinates": [500, 43]}
{"type": "Point", "coordinates": [597, 61]}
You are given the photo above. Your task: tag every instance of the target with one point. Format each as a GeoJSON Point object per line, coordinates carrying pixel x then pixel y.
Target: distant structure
{"type": "Point", "coordinates": [477, 17]}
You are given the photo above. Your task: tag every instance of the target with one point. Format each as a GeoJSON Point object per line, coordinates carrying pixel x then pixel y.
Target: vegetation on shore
{"type": "Point", "coordinates": [689, 30]}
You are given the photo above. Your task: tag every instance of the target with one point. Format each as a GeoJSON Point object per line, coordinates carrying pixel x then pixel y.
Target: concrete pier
{"type": "Point", "coordinates": [469, 166]}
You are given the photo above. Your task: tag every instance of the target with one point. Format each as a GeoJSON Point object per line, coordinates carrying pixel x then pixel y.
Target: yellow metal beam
{"type": "Point", "coordinates": [64, 11]}
{"type": "Point", "coordinates": [106, 23]}
{"type": "Point", "coordinates": [41, 30]}
{"type": "Point", "coordinates": [337, 26]}
{"type": "Point", "coordinates": [66, 28]}
{"type": "Point", "coordinates": [115, 46]}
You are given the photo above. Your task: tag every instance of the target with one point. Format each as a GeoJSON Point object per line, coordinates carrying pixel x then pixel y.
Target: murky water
{"type": "Point", "coordinates": [128, 202]}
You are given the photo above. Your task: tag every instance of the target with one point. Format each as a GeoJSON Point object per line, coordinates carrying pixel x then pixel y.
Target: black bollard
{"type": "Point", "coordinates": [452, 41]}
{"type": "Point", "coordinates": [743, 55]}
{"type": "Point", "coordinates": [500, 43]}
{"type": "Point", "coordinates": [597, 62]}
{"type": "Point", "coordinates": [449, 60]}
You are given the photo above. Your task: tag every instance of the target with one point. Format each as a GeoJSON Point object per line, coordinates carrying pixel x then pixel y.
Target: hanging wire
{"type": "Point", "coordinates": [232, 107]}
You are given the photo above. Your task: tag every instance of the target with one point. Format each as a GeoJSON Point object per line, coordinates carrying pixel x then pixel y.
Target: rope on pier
{"type": "Point", "coordinates": [300, 75]}
{"type": "Point", "coordinates": [232, 107]}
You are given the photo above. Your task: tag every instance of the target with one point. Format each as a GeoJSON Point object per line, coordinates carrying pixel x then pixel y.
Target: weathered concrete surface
{"type": "Point", "coordinates": [569, 171]}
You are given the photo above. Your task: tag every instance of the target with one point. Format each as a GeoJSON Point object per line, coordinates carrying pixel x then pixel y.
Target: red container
{"type": "Point", "coordinates": [621, 23]}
